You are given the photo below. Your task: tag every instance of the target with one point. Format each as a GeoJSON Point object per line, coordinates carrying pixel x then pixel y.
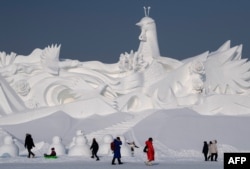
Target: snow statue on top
{"type": "Point", "coordinates": [141, 79]}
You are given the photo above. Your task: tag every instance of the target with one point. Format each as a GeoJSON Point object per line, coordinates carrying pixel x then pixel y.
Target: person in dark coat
{"type": "Point", "coordinates": [29, 144]}
{"type": "Point", "coordinates": [94, 147]}
{"type": "Point", "coordinates": [117, 151]}
{"type": "Point", "coordinates": [205, 150]}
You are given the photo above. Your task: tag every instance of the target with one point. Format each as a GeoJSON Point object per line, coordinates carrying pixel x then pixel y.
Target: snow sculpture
{"type": "Point", "coordinates": [140, 80]}
{"type": "Point", "coordinates": [80, 147]}
{"type": "Point", "coordinates": [58, 145]}
{"type": "Point", "coordinates": [9, 148]}
{"type": "Point", "coordinates": [104, 147]}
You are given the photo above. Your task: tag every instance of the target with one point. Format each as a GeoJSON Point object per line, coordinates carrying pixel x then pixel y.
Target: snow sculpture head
{"type": "Point", "coordinates": [80, 140]}
{"type": "Point", "coordinates": [79, 133]}
{"type": "Point", "coordinates": [8, 140]}
{"type": "Point", "coordinates": [56, 140]}
{"type": "Point", "coordinates": [149, 44]}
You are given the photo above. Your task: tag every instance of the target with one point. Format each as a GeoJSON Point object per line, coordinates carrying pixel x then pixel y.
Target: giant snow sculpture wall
{"type": "Point", "coordinates": [141, 79]}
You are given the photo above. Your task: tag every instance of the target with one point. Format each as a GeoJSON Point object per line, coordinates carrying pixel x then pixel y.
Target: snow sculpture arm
{"type": "Point", "coordinates": [227, 73]}
{"type": "Point", "coordinates": [6, 59]}
{"type": "Point", "coordinates": [132, 61]}
{"type": "Point", "coordinates": [50, 59]}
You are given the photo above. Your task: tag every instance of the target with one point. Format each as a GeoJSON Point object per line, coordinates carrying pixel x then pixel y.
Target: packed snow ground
{"type": "Point", "coordinates": [178, 138]}
{"type": "Point", "coordinates": [105, 163]}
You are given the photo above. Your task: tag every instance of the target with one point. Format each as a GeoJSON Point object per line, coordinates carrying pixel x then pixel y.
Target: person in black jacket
{"type": "Point", "coordinates": [29, 144]}
{"type": "Point", "coordinates": [94, 148]}
{"type": "Point", "coordinates": [205, 150]}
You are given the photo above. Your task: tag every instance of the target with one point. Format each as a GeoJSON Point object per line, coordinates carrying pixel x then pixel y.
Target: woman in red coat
{"type": "Point", "coordinates": [150, 151]}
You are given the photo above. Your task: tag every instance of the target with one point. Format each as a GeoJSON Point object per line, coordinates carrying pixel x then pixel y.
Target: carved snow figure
{"type": "Point", "coordinates": [9, 148]}
{"type": "Point", "coordinates": [58, 145]}
{"type": "Point", "coordinates": [104, 147]}
{"type": "Point", "coordinates": [80, 147]}
{"type": "Point", "coordinates": [148, 47]}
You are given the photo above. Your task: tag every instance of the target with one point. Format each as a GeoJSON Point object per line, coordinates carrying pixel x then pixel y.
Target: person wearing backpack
{"type": "Point", "coordinates": [116, 146]}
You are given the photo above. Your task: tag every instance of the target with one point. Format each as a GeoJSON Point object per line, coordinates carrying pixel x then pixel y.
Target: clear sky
{"type": "Point", "coordinates": [103, 29]}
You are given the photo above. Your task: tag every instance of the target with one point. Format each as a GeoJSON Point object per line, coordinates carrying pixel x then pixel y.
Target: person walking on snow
{"type": "Point", "coordinates": [150, 151]}
{"type": "Point", "coordinates": [214, 151]}
{"type": "Point", "coordinates": [209, 151]}
{"type": "Point", "coordinates": [205, 150]}
{"type": "Point", "coordinates": [29, 144]}
{"type": "Point", "coordinates": [94, 147]}
{"type": "Point", "coordinates": [117, 151]}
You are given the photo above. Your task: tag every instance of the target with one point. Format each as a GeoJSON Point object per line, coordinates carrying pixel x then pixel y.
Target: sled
{"type": "Point", "coordinates": [50, 157]}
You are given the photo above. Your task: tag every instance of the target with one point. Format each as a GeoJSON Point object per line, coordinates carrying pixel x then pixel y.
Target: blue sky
{"type": "Point", "coordinates": [102, 29]}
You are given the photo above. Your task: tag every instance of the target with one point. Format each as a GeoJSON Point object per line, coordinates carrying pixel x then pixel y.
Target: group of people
{"type": "Point", "coordinates": [210, 150]}
{"type": "Point", "coordinates": [117, 153]}
{"type": "Point", "coordinates": [29, 144]}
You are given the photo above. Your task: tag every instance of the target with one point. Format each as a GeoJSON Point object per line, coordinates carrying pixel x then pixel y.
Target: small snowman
{"type": "Point", "coordinates": [58, 145]}
{"type": "Point", "coordinates": [9, 148]}
{"type": "Point", "coordinates": [80, 146]}
{"type": "Point", "coordinates": [104, 147]}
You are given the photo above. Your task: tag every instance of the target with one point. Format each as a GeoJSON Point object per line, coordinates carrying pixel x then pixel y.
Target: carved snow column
{"type": "Point", "coordinates": [148, 47]}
